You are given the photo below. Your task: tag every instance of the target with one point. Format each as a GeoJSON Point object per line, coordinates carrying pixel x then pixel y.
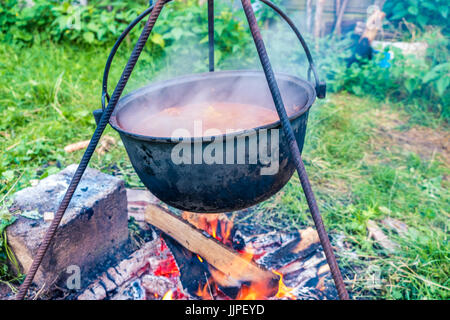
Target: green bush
{"type": "Point", "coordinates": [186, 30]}
{"type": "Point", "coordinates": [18, 24]}
{"type": "Point", "coordinates": [419, 12]}
{"type": "Point", "coordinates": [99, 21]}
{"type": "Point", "coordinates": [419, 82]}
{"type": "Point", "coordinates": [422, 82]}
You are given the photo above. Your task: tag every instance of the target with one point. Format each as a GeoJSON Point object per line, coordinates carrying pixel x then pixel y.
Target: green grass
{"type": "Point", "coordinates": [47, 95]}
{"type": "Point", "coordinates": [358, 175]}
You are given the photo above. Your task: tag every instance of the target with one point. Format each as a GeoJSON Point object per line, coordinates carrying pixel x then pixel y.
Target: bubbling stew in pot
{"type": "Point", "coordinates": [195, 119]}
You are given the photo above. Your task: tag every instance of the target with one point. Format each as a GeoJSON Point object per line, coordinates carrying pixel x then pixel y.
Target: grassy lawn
{"type": "Point", "coordinates": [366, 162]}
{"type": "Point", "coordinates": [365, 159]}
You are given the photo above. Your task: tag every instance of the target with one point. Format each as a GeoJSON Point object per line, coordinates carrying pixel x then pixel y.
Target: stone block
{"type": "Point", "coordinates": [93, 233]}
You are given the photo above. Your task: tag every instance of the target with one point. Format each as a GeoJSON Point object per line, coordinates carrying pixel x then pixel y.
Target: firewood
{"type": "Point", "coordinates": [298, 249]}
{"type": "Point", "coordinates": [76, 146]}
{"type": "Point", "coordinates": [106, 144]}
{"type": "Point", "coordinates": [309, 236]}
{"type": "Point", "coordinates": [199, 219]}
{"type": "Point", "coordinates": [218, 225]}
{"type": "Point", "coordinates": [231, 263]}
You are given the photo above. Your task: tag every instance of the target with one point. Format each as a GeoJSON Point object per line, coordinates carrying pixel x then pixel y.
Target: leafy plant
{"type": "Point", "coordinates": [418, 82]}
{"type": "Point", "coordinates": [99, 21]}
{"type": "Point", "coordinates": [95, 23]}
{"type": "Point", "coordinates": [6, 256]}
{"type": "Point", "coordinates": [19, 23]}
{"type": "Point", "coordinates": [419, 12]}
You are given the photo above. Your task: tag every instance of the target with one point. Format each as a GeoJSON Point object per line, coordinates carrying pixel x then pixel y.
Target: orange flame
{"type": "Point", "coordinates": [263, 290]}
{"type": "Point", "coordinates": [216, 225]}
{"type": "Point", "coordinates": [225, 229]}
{"type": "Point", "coordinates": [204, 292]}
{"type": "Point", "coordinates": [167, 268]}
{"type": "Point", "coordinates": [220, 229]}
{"type": "Point", "coordinates": [283, 290]}
{"type": "Point", "coordinates": [213, 226]}
{"type": "Point", "coordinates": [168, 295]}
{"type": "Point", "coordinates": [256, 291]}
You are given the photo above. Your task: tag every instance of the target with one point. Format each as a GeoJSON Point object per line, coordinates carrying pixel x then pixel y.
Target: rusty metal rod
{"type": "Point", "coordinates": [123, 35]}
{"type": "Point", "coordinates": [295, 152]}
{"type": "Point", "coordinates": [211, 34]}
{"type": "Point", "coordinates": [51, 231]}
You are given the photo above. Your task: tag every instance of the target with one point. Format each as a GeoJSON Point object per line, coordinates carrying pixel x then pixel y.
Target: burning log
{"type": "Point", "coordinates": [216, 225]}
{"type": "Point", "coordinates": [230, 263]}
{"type": "Point", "coordinates": [165, 269]}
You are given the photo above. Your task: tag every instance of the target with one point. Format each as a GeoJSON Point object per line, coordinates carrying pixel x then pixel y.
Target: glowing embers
{"type": "Point", "coordinates": [294, 258]}
{"type": "Point", "coordinates": [163, 269]}
{"type": "Point", "coordinates": [221, 229]}
{"type": "Point", "coordinates": [167, 268]}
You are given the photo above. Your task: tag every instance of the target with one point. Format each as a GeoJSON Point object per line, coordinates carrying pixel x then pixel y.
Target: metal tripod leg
{"type": "Point", "coordinates": [295, 152]}
{"type": "Point", "coordinates": [90, 149]}
{"type": "Point", "coordinates": [211, 34]}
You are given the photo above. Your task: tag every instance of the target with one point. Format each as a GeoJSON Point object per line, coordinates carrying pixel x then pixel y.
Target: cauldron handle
{"type": "Point", "coordinates": [320, 87]}
{"type": "Point", "coordinates": [105, 95]}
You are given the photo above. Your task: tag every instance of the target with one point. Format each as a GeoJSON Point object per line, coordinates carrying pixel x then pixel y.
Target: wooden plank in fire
{"type": "Point", "coordinates": [230, 263]}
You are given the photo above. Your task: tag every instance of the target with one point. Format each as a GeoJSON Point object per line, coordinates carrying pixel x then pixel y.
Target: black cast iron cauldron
{"type": "Point", "coordinates": [210, 188]}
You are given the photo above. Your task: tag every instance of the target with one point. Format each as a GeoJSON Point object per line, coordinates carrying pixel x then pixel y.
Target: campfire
{"type": "Point", "coordinates": [221, 228]}
{"type": "Point", "coordinates": [220, 261]}
{"type": "Point", "coordinates": [210, 257]}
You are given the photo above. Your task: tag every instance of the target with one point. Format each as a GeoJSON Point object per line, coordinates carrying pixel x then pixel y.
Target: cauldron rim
{"type": "Point", "coordinates": [311, 96]}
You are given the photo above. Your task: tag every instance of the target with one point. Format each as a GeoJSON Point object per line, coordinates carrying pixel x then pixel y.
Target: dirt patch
{"type": "Point", "coordinates": [428, 143]}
